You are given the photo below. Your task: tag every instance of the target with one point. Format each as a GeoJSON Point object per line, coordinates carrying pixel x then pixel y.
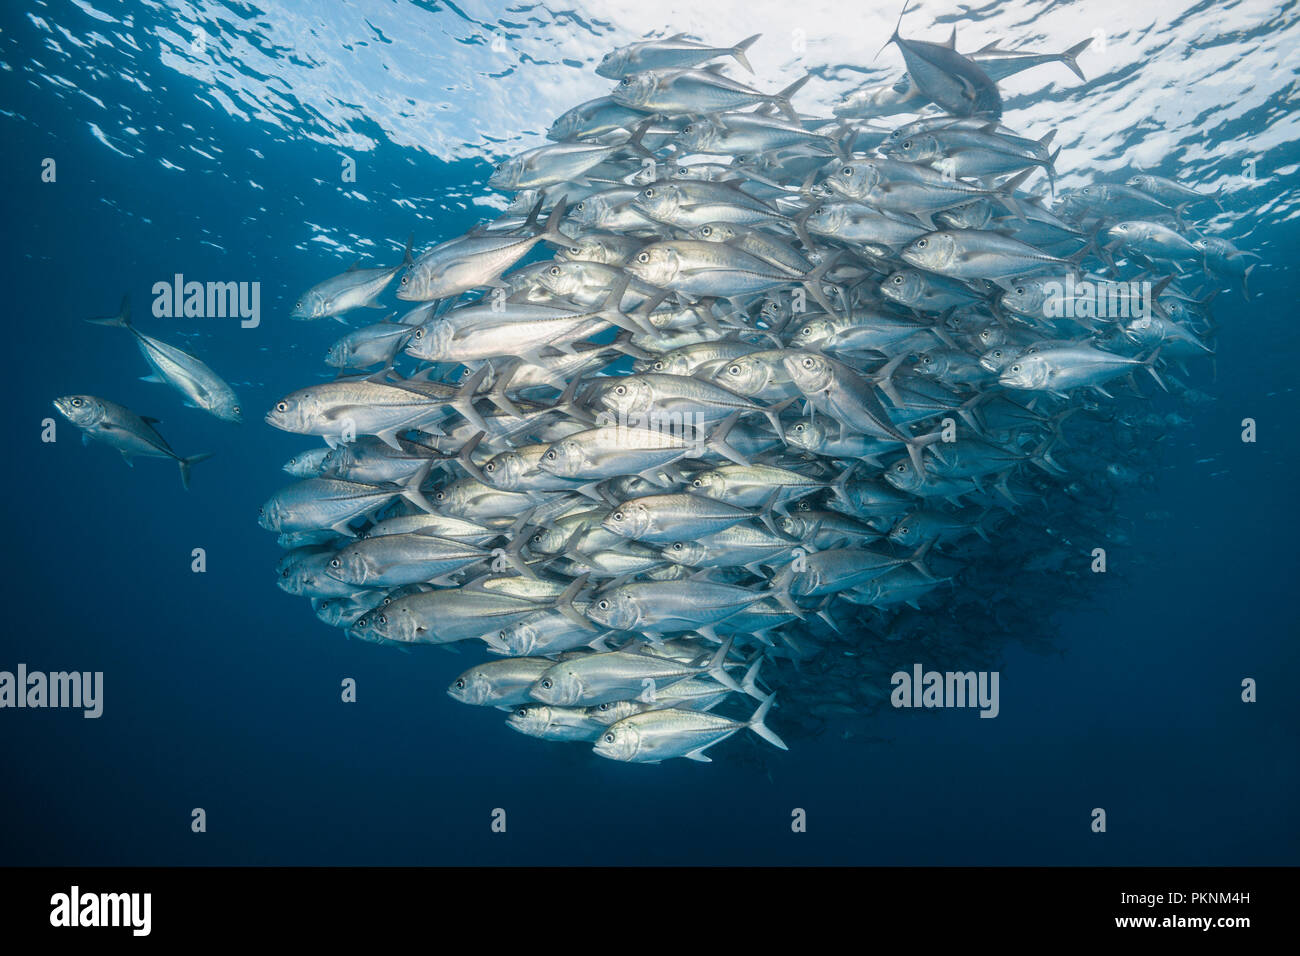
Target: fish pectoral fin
{"type": "Point", "coordinates": [153, 379]}
{"type": "Point", "coordinates": [698, 756]}
{"type": "Point", "coordinates": [127, 458]}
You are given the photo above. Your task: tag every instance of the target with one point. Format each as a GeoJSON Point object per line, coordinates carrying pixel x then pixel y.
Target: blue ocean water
{"type": "Point", "coordinates": [207, 139]}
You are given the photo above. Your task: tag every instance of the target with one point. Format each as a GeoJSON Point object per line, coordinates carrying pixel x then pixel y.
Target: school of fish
{"type": "Point", "coordinates": [731, 399]}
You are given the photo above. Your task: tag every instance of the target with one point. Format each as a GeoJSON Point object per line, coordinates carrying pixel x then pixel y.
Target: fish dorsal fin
{"type": "Point", "coordinates": [986, 48]}
{"type": "Point", "coordinates": [952, 40]}
{"type": "Point", "coordinates": [354, 267]}
{"type": "Point", "coordinates": [150, 421]}
{"type": "Point", "coordinates": [714, 68]}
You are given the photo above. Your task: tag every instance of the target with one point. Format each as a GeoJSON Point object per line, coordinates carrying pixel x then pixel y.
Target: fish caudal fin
{"type": "Point", "coordinates": [738, 51]}
{"type": "Point", "coordinates": [757, 726]}
{"type": "Point", "coordinates": [1068, 58]}
{"type": "Point", "coordinates": [123, 318]}
{"type": "Point", "coordinates": [187, 463]}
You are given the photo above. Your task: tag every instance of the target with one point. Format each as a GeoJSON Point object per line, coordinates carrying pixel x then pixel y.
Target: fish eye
{"type": "Point", "coordinates": [1015, 368]}
{"type": "Point", "coordinates": [649, 192]}
{"type": "Point", "coordinates": [922, 243]}
{"type": "Point", "coordinates": [847, 171]}
{"type": "Point", "coordinates": [733, 370]}
{"type": "Point", "coordinates": [997, 353]}
{"type": "Point", "coordinates": [282, 406]}
{"type": "Point", "coordinates": [501, 634]}
{"type": "Point", "coordinates": [237, 410]}
{"type": "Point", "coordinates": [555, 270]}
{"type": "Point", "coordinates": [574, 251]}
{"type": "Point", "coordinates": [383, 619]}
{"type": "Point", "coordinates": [900, 468]}
{"type": "Point", "coordinates": [898, 280]}
{"type": "Point", "coordinates": [799, 427]}
{"type": "Point", "coordinates": [460, 683]}
{"type": "Point", "coordinates": [618, 516]}
{"type": "Point", "coordinates": [361, 622]}
{"type": "Point", "coordinates": [1020, 290]}
{"type": "Point", "coordinates": [548, 683]}
{"type": "Point", "coordinates": [902, 529]}
{"type": "Point", "coordinates": [521, 712]}
{"type": "Point", "coordinates": [658, 366]}
{"type": "Point", "coordinates": [550, 456]}
{"type": "Point", "coordinates": [285, 573]}
{"type": "Point", "coordinates": [698, 483]}
{"type": "Point", "coordinates": [626, 81]}
{"type": "Point", "coordinates": [689, 129]}
{"type": "Point", "coordinates": [809, 362]}
{"type": "Point", "coordinates": [604, 706]}
{"type": "Point", "coordinates": [609, 738]}
{"type": "Point", "coordinates": [706, 231]}
{"type": "Point", "coordinates": [907, 145]}
{"type": "Point", "coordinates": [405, 279]}
{"type": "Point", "coordinates": [603, 605]}
{"type": "Point", "coordinates": [490, 466]}
{"type": "Point", "coordinates": [76, 403]}
{"type": "Point", "coordinates": [439, 496]}
{"type": "Point", "coordinates": [336, 563]}
{"type": "Point", "coordinates": [620, 390]}
{"type": "Point", "coordinates": [677, 546]}
{"type": "Point", "coordinates": [643, 257]}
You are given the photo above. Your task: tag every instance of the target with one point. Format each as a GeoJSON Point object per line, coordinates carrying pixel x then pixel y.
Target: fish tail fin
{"type": "Point", "coordinates": [749, 684]}
{"type": "Point", "coordinates": [757, 726]}
{"type": "Point", "coordinates": [782, 100]}
{"type": "Point", "coordinates": [407, 258]}
{"type": "Point", "coordinates": [497, 393]}
{"type": "Point", "coordinates": [465, 460]}
{"type": "Point", "coordinates": [513, 554]}
{"type": "Point", "coordinates": [780, 592]}
{"type": "Point", "coordinates": [894, 36]}
{"type": "Point", "coordinates": [411, 488]}
{"type": "Point", "coordinates": [717, 440]}
{"type": "Point", "coordinates": [883, 378]}
{"type": "Point", "coordinates": [634, 140]}
{"type": "Point", "coordinates": [1245, 276]}
{"type": "Point", "coordinates": [1218, 198]}
{"type": "Point", "coordinates": [1051, 168]}
{"type": "Point", "coordinates": [551, 230]}
{"type": "Point", "coordinates": [123, 318]}
{"type": "Point", "coordinates": [1006, 193]}
{"type": "Point", "coordinates": [773, 412]}
{"type": "Point", "coordinates": [813, 282]}
{"type": "Point", "coordinates": [717, 668]}
{"type": "Point", "coordinates": [1150, 363]}
{"type": "Point", "coordinates": [739, 50]}
{"type": "Point", "coordinates": [187, 463]}
{"type": "Point", "coordinates": [1068, 58]}
{"type": "Point", "coordinates": [464, 400]}
{"type": "Point", "coordinates": [917, 559]}
{"type": "Point", "coordinates": [564, 603]}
